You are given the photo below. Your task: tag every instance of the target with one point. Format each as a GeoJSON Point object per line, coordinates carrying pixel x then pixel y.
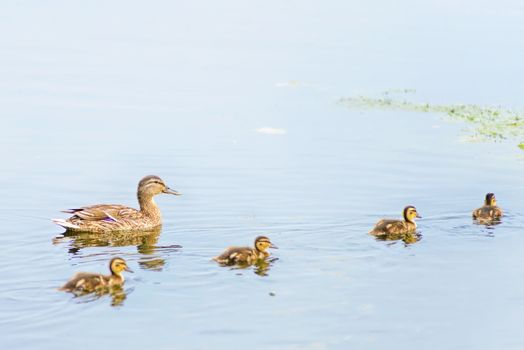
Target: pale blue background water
{"type": "Point", "coordinates": [95, 95]}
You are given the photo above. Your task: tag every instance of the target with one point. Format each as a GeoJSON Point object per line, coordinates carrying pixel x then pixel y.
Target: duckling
{"type": "Point", "coordinates": [246, 255]}
{"type": "Point", "coordinates": [86, 282]}
{"type": "Point", "coordinates": [387, 227]}
{"type": "Point", "coordinates": [489, 211]}
{"type": "Point", "coordinates": [113, 217]}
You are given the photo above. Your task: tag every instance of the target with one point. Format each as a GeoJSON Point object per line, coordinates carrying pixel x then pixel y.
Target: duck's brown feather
{"type": "Point", "coordinates": [487, 212]}
{"type": "Point", "coordinates": [86, 282]}
{"type": "Point", "coordinates": [104, 212]}
{"type": "Point", "coordinates": [109, 218]}
{"type": "Point", "coordinates": [102, 218]}
{"type": "Point", "coordinates": [387, 227]}
{"type": "Point", "coordinates": [240, 255]}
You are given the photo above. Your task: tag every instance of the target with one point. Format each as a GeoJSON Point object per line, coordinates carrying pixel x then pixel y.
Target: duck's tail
{"type": "Point", "coordinates": [65, 224]}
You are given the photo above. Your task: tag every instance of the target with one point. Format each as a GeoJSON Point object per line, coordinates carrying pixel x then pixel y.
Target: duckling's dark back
{"type": "Point", "coordinates": [388, 227]}
{"type": "Point", "coordinates": [487, 212]}
{"type": "Point", "coordinates": [84, 281]}
{"type": "Point", "coordinates": [234, 255]}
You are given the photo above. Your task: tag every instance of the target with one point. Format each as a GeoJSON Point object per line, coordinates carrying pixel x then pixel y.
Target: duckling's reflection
{"type": "Point", "coordinates": [145, 241]}
{"type": "Point", "coordinates": [261, 267]}
{"type": "Point", "coordinates": [117, 294]}
{"type": "Point", "coordinates": [488, 223]}
{"type": "Point", "coordinates": [407, 238]}
{"type": "Point", "coordinates": [488, 226]}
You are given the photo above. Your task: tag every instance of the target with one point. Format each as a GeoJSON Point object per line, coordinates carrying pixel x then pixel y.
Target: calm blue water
{"type": "Point", "coordinates": [96, 95]}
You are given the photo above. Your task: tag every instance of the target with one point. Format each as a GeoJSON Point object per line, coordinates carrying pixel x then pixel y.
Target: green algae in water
{"type": "Point", "coordinates": [488, 123]}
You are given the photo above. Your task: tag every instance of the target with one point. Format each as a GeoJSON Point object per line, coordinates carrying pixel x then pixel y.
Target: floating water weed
{"type": "Point", "coordinates": [488, 123]}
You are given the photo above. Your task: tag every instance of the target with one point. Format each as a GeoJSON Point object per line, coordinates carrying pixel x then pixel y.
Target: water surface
{"type": "Point", "coordinates": [95, 96]}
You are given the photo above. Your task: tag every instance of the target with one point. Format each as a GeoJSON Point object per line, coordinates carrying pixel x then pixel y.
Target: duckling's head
{"type": "Point", "coordinates": [262, 243]}
{"type": "Point", "coordinates": [490, 199]}
{"type": "Point", "coordinates": [152, 185]}
{"type": "Point", "coordinates": [117, 265]}
{"type": "Point", "coordinates": [410, 213]}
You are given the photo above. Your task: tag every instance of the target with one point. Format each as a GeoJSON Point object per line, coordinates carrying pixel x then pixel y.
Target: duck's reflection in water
{"type": "Point", "coordinates": [488, 226]}
{"type": "Point", "coordinates": [488, 223]}
{"type": "Point", "coordinates": [146, 242]}
{"type": "Point", "coordinates": [116, 293]}
{"type": "Point", "coordinates": [407, 238]}
{"type": "Point", "coordinates": [261, 267]}
{"type": "Point", "coordinates": [152, 263]}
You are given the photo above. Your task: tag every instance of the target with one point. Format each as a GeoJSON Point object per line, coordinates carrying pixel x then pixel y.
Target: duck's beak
{"type": "Point", "coordinates": [418, 216]}
{"type": "Point", "coordinates": [128, 270]}
{"type": "Point", "coordinates": [271, 245]}
{"type": "Point", "coordinates": [170, 191]}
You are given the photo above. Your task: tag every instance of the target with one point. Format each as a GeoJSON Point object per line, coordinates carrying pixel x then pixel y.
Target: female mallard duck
{"type": "Point", "coordinates": [113, 217]}
{"type": "Point", "coordinates": [86, 282]}
{"type": "Point", "coordinates": [386, 227]}
{"type": "Point", "coordinates": [489, 211]}
{"type": "Point", "coordinates": [246, 255]}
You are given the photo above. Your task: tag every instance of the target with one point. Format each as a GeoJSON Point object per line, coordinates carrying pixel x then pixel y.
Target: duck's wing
{"type": "Point", "coordinates": [233, 255]}
{"type": "Point", "coordinates": [487, 212]}
{"type": "Point", "coordinates": [84, 282]}
{"type": "Point", "coordinates": [105, 212]}
{"type": "Point", "coordinates": [387, 226]}
{"type": "Point", "coordinates": [477, 213]}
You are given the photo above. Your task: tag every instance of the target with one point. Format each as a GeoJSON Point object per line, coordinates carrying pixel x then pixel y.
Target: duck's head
{"type": "Point", "coordinates": [152, 185]}
{"type": "Point", "coordinates": [490, 199]}
{"type": "Point", "coordinates": [410, 213]}
{"type": "Point", "coordinates": [262, 243]}
{"type": "Point", "coordinates": [117, 265]}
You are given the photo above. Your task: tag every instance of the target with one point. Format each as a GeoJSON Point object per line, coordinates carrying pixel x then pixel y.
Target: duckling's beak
{"type": "Point", "coordinates": [170, 191]}
{"type": "Point", "coordinates": [128, 270]}
{"type": "Point", "coordinates": [418, 216]}
{"type": "Point", "coordinates": [271, 245]}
